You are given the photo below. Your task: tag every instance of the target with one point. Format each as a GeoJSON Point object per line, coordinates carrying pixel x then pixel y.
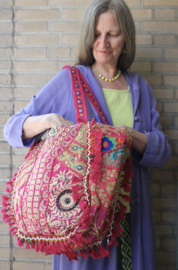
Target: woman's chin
{"type": "Point", "coordinates": [104, 61]}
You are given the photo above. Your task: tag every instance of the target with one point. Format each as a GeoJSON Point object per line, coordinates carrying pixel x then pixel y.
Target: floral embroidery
{"type": "Point", "coordinates": [111, 143]}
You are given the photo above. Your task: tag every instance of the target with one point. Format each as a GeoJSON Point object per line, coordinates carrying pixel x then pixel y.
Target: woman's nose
{"type": "Point", "coordinates": [104, 42]}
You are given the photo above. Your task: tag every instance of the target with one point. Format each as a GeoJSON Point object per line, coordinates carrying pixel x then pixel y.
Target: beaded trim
{"type": "Point", "coordinates": [38, 238]}
{"type": "Point", "coordinates": [88, 163]}
{"type": "Point", "coordinates": [113, 216]}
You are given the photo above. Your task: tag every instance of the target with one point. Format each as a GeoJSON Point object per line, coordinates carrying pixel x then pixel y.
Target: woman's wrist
{"type": "Point", "coordinates": [34, 125]}
{"type": "Point", "coordinates": [139, 140]}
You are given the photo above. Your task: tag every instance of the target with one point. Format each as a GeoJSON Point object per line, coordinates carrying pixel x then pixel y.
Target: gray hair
{"type": "Point", "coordinates": [87, 33]}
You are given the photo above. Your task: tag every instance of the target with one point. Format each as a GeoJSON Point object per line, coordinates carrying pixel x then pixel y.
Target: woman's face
{"type": "Point", "coordinates": [109, 41]}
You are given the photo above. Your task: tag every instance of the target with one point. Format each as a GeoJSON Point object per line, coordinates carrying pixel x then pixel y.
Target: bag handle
{"type": "Point", "coordinates": [80, 89]}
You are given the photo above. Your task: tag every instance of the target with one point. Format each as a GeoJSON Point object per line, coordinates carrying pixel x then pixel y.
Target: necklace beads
{"type": "Point", "coordinates": [105, 79]}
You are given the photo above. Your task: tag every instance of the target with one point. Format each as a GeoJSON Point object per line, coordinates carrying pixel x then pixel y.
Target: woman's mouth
{"type": "Point", "coordinates": [104, 52]}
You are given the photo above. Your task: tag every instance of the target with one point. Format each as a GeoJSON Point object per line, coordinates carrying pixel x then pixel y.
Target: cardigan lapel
{"type": "Point", "coordinates": [132, 80]}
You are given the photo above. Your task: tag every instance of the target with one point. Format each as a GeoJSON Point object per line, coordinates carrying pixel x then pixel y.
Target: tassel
{"type": "Point", "coordinates": [71, 256]}
{"type": "Point", "coordinates": [5, 217]}
{"type": "Point", "coordinates": [27, 245]}
{"type": "Point", "coordinates": [125, 183]}
{"type": "Point", "coordinates": [92, 122]}
{"type": "Point", "coordinates": [64, 247]}
{"type": "Point", "coordinates": [5, 204]}
{"type": "Point", "coordinates": [82, 204]}
{"type": "Point", "coordinates": [123, 209]}
{"type": "Point", "coordinates": [5, 210]}
{"type": "Point", "coordinates": [67, 254]}
{"type": "Point", "coordinates": [13, 230]}
{"type": "Point", "coordinates": [74, 240]}
{"type": "Point", "coordinates": [126, 187]}
{"type": "Point", "coordinates": [80, 239]}
{"type": "Point", "coordinates": [58, 248]}
{"type": "Point", "coordinates": [11, 223]}
{"type": "Point", "coordinates": [5, 198]}
{"type": "Point", "coordinates": [8, 190]}
{"type": "Point", "coordinates": [102, 251]}
{"type": "Point", "coordinates": [117, 230]}
{"type": "Point", "coordinates": [75, 189]}
{"type": "Point", "coordinates": [76, 180]}
{"type": "Point", "coordinates": [47, 248]}
{"type": "Point", "coordinates": [36, 247]}
{"type": "Point", "coordinates": [7, 220]}
{"type": "Point", "coordinates": [88, 251]}
{"type": "Point", "coordinates": [14, 178]}
{"type": "Point", "coordinates": [113, 241]}
{"type": "Point", "coordinates": [32, 244]}
{"type": "Point", "coordinates": [126, 198]}
{"type": "Point", "coordinates": [94, 254]}
{"type": "Point", "coordinates": [10, 183]}
{"type": "Point", "coordinates": [41, 246]}
{"type": "Point", "coordinates": [20, 242]}
{"type": "Point", "coordinates": [77, 239]}
{"type": "Point", "coordinates": [117, 233]}
{"type": "Point", "coordinates": [83, 253]}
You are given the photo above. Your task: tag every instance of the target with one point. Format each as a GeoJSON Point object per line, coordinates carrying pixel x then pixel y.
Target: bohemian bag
{"type": "Point", "coordinates": [65, 197]}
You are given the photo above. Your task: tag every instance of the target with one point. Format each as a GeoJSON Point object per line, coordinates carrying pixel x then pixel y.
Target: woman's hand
{"type": "Point", "coordinates": [34, 125]}
{"type": "Point", "coordinates": [139, 140]}
{"type": "Point", "coordinates": [54, 119]}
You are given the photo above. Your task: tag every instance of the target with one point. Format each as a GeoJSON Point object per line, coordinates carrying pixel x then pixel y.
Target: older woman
{"type": "Point", "coordinates": [106, 51]}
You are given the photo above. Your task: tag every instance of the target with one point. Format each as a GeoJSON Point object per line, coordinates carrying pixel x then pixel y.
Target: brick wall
{"type": "Point", "coordinates": [36, 39]}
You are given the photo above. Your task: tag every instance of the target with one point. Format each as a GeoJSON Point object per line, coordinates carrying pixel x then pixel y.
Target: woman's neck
{"type": "Point", "coordinates": [118, 84]}
{"type": "Point", "coordinates": [107, 71]}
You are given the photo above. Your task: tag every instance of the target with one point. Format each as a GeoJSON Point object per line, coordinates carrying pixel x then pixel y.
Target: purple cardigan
{"type": "Point", "coordinates": [56, 97]}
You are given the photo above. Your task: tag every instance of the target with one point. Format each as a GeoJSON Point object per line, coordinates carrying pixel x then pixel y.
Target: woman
{"type": "Point", "coordinates": [106, 51]}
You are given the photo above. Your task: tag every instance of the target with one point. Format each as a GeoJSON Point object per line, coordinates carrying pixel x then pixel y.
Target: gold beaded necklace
{"type": "Point", "coordinates": [105, 79]}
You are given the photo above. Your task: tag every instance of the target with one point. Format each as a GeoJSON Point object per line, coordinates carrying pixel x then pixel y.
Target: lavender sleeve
{"type": "Point", "coordinates": [157, 151]}
{"type": "Point", "coordinates": [54, 97]}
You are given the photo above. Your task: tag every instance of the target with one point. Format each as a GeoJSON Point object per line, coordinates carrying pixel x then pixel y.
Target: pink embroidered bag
{"type": "Point", "coordinates": [66, 194]}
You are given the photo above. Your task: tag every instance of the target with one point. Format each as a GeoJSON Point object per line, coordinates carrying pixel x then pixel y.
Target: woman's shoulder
{"type": "Point", "coordinates": [136, 79]}
{"type": "Point", "coordinates": [62, 74]}
{"type": "Point", "coordinates": [60, 80]}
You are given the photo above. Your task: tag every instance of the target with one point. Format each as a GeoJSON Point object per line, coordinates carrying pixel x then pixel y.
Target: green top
{"type": "Point", "coordinates": [119, 104]}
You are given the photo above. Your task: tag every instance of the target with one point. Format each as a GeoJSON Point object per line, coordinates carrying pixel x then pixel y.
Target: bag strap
{"type": "Point", "coordinates": [78, 95]}
{"type": "Point", "coordinates": [80, 89]}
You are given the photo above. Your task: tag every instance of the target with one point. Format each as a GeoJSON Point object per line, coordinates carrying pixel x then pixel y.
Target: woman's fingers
{"type": "Point", "coordinates": [58, 120]}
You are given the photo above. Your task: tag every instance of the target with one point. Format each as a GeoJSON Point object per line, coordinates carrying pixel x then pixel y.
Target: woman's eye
{"type": "Point", "coordinates": [114, 35]}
